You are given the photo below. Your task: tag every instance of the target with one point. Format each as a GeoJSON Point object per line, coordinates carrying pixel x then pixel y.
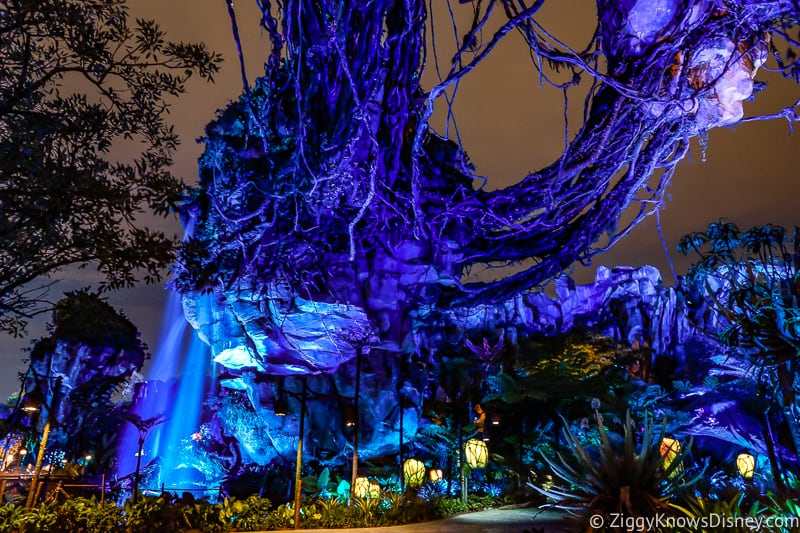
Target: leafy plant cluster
{"type": "Point", "coordinates": [168, 513]}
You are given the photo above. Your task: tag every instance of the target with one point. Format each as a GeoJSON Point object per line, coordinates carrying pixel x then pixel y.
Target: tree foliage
{"type": "Point", "coordinates": [80, 85]}
{"type": "Point", "coordinates": [751, 279]}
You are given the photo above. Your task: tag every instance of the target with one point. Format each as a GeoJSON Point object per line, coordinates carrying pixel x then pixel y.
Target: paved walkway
{"type": "Point", "coordinates": [529, 520]}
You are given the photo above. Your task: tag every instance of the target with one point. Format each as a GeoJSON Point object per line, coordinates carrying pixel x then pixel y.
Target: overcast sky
{"type": "Point", "coordinates": [510, 127]}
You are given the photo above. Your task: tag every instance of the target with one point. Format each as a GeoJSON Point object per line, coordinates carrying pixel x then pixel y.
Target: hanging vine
{"type": "Point", "coordinates": [328, 169]}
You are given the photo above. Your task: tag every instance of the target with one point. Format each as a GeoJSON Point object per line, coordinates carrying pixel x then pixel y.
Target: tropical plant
{"type": "Point", "coordinates": [12, 517]}
{"type": "Point", "coordinates": [444, 507]}
{"type": "Point", "coordinates": [254, 515]}
{"type": "Point", "coordinates": [785, 506]}
{"type": "Point", "coordinates": [631, 479]}
{"type": "Point", "coordinates": [335, 513]}
{"type": "Point", "coordinates": [366, 510]}
{"type": "Point", "coordinates": [711, 510]}
{"type": "Point", "coordinates": [560, 371]}
{"type": "Point", "coordinates": [210, 517]}
{"type": "Point", "coordinates": [750, 279]}
{"type": "Point", "coordinates": [153, 514]}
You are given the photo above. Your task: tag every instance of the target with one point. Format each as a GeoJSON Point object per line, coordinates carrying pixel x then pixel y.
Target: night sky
{"type": "Point", "coordinates": [510, 126]}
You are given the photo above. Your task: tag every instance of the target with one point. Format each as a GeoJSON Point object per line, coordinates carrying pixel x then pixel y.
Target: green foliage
{"type": "Point", "coordinates": [705, 508]}
{"type": "Point", "coordinates": [444, 507]}
{"type": "Point", "coordinates": [81, 84]}
{"type": "Point", "coordinates": [783, 505]}
{"type": "Point", "coordinates": [211, 518]}
{"type": "Point", "coordinates": [154, 514]}
{"type": "Point", "coordinates": [12, 517]}
{"type": "Point", "coordinates": [630, 478]}
{"type": "Point", "coordinates": [366, 510]}
{"type": "Point", "coordinates": [319, 486]}
{"type": "Point", "coordinates": [282, 517]}
{"type": "Point", "coordinates": [78, 515]}
{"type": "Point", "coordinates": [171, 514]}
{"type": "Point", "coordinates": [83, 317]}
{"type": "Point", "coordinates": [253, 515]}
{"type": "Point", "coordinates": [566, 369]}
{"type": "Point", "coordinates": [334, 513]}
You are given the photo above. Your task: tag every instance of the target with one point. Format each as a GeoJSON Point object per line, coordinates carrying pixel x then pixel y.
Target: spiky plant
{"type": "Point", "coordinates": [698, 509]}
{"type": "Point", "coordinates": [629, 479]}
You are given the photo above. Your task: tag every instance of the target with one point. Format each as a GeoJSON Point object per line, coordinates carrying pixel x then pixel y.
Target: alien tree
{"type": "Point", "coordinates": [78, 371]}
{"type": "Point", "coordinates": [327, 201]}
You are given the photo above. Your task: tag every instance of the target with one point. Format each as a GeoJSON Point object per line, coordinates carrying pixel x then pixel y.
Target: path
{"type": "Point", "coordinates": [529, 520]}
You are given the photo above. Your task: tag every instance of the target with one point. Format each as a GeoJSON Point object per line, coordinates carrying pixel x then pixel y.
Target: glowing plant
{"type": "Point", "coordinates": [366, 488]}
{"type": "Point", "coordinates": [746, 465]}
{"type": "Point", "coordinates": [476, 453]}
{"type": "Point", "coordinates": [670, 448]}
{"type": "Point", "coordinates": [414, 472]}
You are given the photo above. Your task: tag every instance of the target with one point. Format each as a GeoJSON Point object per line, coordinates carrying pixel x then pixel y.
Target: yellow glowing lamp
{"type": "Point", "coordinates": [746, 464]}
{"type": "Point", "coordinates": [476, 452]}
{"type": "Point", "coordinates": [361, 489]}
{"type": "Point", "coordinates": [414, 472]}
{"type": "Point", "coordinates": [670, 448]}
{"type": "Point", "coordinates": [436, 475]}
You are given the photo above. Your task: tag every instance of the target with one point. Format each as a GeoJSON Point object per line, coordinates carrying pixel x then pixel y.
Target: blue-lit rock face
{"type": "Point", "coordinates": [92, 349]}
{"type": "Point", "coordinates": [628, 304]}
{"type": "Point", "coordinates": [623, 303]}
{"type": "Point", "coordinates": [282, 333]}
{"type": "Point", "coordinates": [279, 335]}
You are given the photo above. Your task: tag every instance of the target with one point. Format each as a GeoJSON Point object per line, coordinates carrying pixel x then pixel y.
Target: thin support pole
{"type": "Point", "coordinates": [37, 470]}
{"type": "Point", "coordinates": [356, 426]}
{"type": "Point", "coordinates": [298, 481]}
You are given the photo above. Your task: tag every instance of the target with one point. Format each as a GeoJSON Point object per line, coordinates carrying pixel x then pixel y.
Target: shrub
{"type": "Point", "coordinates": [444, 507]}
{"type": "Point", "coordinates": [254, 514]}
{"type": "Point", "coordinates": [629, 480]}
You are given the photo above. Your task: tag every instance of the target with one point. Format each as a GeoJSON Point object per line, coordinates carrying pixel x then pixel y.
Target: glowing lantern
{"type": "Point", "coordinates": [367, 489]}
{"type": "Point", "coordinates": [436, 475]}
{"type": "Point", "coordinates": [413, 472]}
{"type": "Point", "coordinates": [746, 464]}
{"type": "Point", "coordinates": [670, 448]}
{"type": "Point", "coordinates": [476, 452]}
{"type": "Point", "coordinates": [362, 487]}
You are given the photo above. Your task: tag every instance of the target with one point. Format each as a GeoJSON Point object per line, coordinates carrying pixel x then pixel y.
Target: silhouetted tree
{"type": "Point", "coordinates": [79, 82]}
